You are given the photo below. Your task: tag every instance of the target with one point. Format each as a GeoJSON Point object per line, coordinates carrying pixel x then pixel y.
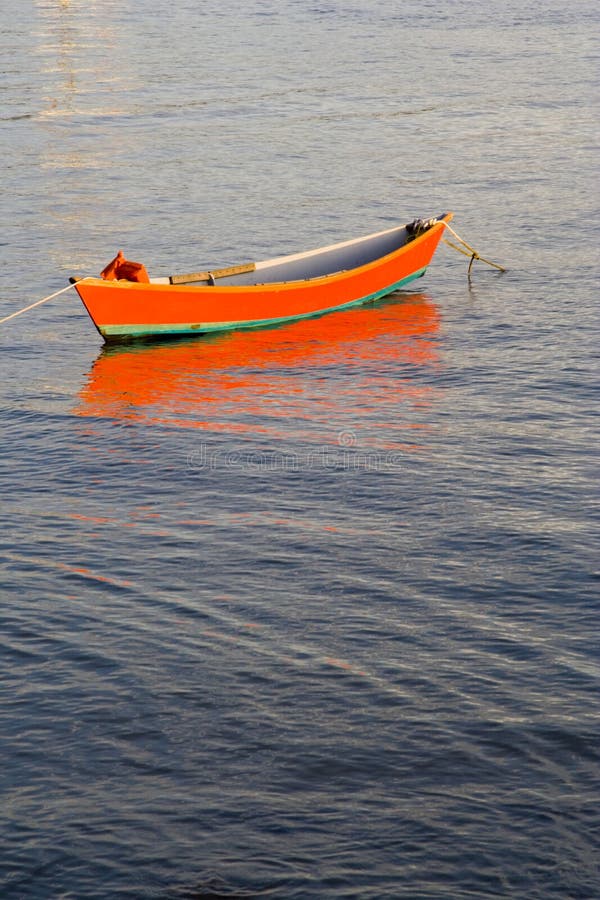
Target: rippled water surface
{"type": "Point", "coordinates": [310, 612]}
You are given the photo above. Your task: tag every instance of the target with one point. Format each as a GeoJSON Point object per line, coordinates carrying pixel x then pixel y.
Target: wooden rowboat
{"type": "Point", "coordinates": [125, 303]}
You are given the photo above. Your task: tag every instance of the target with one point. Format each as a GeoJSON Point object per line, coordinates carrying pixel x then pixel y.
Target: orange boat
{"type": "Point", "coordinates": [125, 303]}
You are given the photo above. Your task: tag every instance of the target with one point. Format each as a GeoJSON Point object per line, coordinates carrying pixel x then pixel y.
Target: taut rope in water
{"type": "Point", "coordinates": [469, 251]}
{"type": "Point", "coordinates": [419, 226]}
{"type": "Point", "coordinates": [39, 302]}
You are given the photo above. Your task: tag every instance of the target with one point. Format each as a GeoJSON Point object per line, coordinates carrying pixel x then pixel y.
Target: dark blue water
{"type": "Point", "coordinates": [310, 612]}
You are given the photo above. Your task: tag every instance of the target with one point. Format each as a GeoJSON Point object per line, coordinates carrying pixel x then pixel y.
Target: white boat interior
{"type": "Point", "coordinates": [302, 266]}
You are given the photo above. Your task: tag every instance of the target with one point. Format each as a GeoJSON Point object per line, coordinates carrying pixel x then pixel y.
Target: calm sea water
{"type": "Point", "coordinates": [310, 612]}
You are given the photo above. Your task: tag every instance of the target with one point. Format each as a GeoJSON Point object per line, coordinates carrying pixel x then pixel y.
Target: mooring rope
{"type": "Point", "coordinates": [419, 224]}
{"type": "Point", "coordinates": [469, 251]}
{"type": "Point", "coordinates": [39, 302]}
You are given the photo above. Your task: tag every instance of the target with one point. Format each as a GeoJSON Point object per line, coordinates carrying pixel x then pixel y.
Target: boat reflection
{"type": "Point", "coordinates": [308, 380]}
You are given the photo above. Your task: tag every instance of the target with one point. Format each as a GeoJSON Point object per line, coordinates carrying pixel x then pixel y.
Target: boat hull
{"type": "Point", "coordinates": [123, 310]}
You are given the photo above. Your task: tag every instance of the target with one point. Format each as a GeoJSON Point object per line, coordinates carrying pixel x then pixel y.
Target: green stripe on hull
{"type": "Point", "coordinates": [140, 331]}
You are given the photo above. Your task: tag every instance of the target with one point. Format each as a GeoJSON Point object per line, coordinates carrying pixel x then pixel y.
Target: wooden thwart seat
{"type": "Point", "coordinates": [213, 274]}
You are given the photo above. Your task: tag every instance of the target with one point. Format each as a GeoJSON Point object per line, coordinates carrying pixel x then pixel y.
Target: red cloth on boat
{"type": "Point", "coordinates": [121, 268]}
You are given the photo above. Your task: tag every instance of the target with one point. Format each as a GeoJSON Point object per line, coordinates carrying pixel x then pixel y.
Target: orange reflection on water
{"type": "Point", "coordinates": [308, 379]}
